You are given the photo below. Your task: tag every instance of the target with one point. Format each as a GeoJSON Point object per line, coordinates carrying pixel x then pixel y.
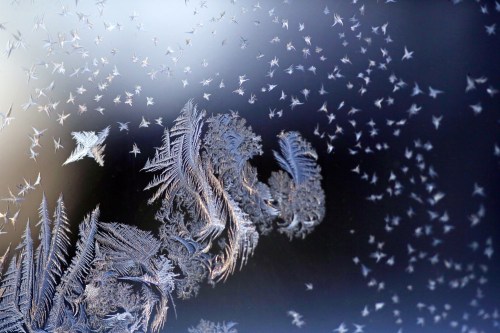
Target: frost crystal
{"type": "Point", "coordinates": [211, 194]}
{"type": "Point", "coordinates": [206, 326]}
{"type": "Point", "coordinates": [90, 145]}
{"type": "Point", "coordinates": [213, 206]}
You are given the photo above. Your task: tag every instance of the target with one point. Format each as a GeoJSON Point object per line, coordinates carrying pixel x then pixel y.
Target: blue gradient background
{"type": "Point", "coordinates": [449, 42]}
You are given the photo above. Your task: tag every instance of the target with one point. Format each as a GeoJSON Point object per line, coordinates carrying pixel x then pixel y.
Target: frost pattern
{"type": "Point", "coordinates": [213, 208]}
{"type": "Point", "coordinates": [117, 281]}
{"type": "Point", "coordinates": [41, 292]}
{"type": "Point", "coordinates": [131, 280]}
{"type": "Point", "coordinates": [90, 145]}
{"type": "Point", "coordinates": [206, 326]}
{"type": "Point", "coordinates": [211, 193]}
{"type": "Point", "coordinates": [189, 182]}
{"type": "Point", "coordinates": [299, 195]}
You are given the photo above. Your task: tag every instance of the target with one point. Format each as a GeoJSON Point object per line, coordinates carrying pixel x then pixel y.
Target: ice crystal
{"type": "Point", "coordinates": [213, 206]}
{"type": "Point", "coordinates": [211, 193]}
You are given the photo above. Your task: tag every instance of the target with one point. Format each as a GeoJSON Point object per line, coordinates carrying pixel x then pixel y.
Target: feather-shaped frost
{"type": "Point", "coordinates": [126, 246]}
{"type": "Point", "coordinates": [72, 283]}
{"type": "Point", "coordinates": [212, 192]}
{"type": "Point", "coordinates": [187, 180]}
{"type": "Point", "coordinates": [27, 267]}
{"type": "Point", "coordinates": [42, 294]}
{"type": "Point", "coordinates": [54, 262]}
{"type": "Point", "coordinates": [11, 318]}
{"type": "Point", "coordinates": [298, 192]}
{"type": "Point", "coordinates": [297, 157]}
{"type": "Point", "coordinates": [182, 172]}
{"type": "Point", "coordinates": [120, 277]}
